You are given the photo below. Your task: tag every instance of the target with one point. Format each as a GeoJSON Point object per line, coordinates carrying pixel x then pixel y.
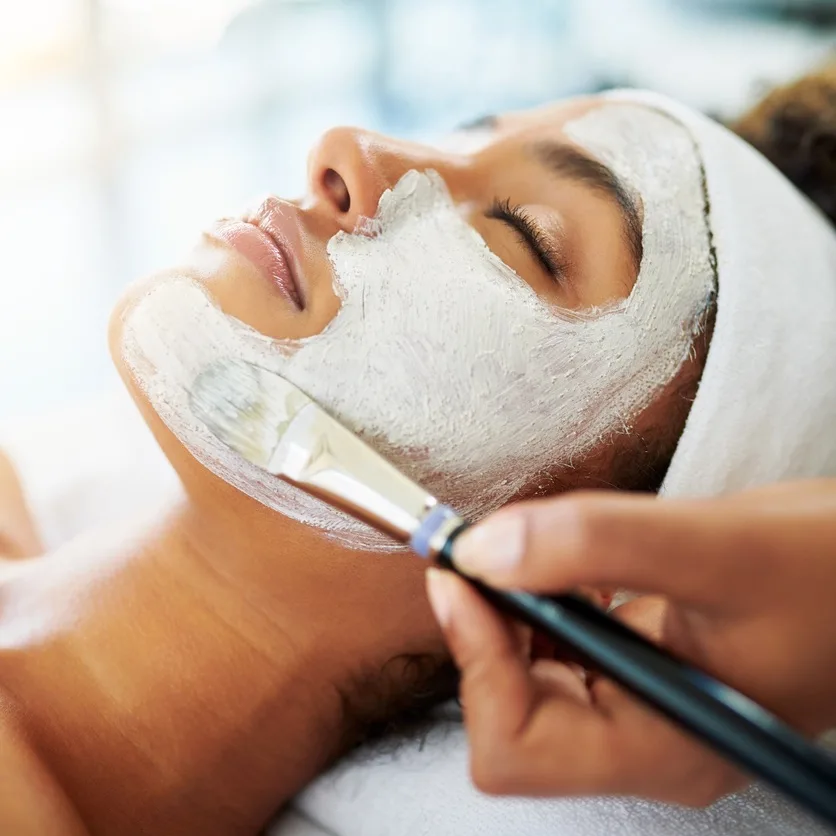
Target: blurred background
{"type": "Point", "coordinates": [126, 126]}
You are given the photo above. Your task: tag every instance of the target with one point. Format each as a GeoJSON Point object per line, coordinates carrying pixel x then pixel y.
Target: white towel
{"type": "Point", "coordinates": [421, 788]}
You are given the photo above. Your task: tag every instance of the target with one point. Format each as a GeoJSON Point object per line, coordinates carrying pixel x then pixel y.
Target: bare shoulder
{"type": "Point", "coordinates": [18, 532]}
{"type": "Point", "coordinates": [32, 802]}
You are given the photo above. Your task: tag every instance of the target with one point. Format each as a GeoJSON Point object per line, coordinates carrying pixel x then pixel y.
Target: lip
{"type": "Point", "coordinates": [266, 240]}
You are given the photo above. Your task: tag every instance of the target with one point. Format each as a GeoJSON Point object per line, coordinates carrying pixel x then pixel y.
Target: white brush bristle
{"type": "Point", "coordinates": [246, 407]}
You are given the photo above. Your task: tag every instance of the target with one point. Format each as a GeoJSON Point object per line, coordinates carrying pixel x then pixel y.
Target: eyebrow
{"type": "Point", "coordinates": [567, 161]}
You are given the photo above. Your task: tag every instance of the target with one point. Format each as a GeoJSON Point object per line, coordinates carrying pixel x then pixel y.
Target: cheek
{"type": "Point", "coordinates": [606, 273]}
{"type": "Point", "coordinates": [243, 293]}
{"type": "Point", "coordinates": [116, 325]}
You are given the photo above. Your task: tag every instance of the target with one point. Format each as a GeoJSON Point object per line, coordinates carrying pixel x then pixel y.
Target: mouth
{"type": "Point", "coordinates": [268, 239]}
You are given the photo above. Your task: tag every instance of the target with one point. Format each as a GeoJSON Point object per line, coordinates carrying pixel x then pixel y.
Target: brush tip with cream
{"type": "Point", "coordinates": [246, 407]}
{"type": "Point", "coordinates": [273, 424]}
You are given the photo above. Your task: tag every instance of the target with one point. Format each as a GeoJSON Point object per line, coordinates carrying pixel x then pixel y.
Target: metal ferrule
{"type": "Point", "coordinates": [324, 458]}
{"type": "Point", "coordinates": [435, 530]}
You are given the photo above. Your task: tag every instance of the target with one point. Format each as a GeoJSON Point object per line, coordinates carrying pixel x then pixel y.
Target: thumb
{"type": "Point", "coordinates": [521, 721]}
{"type": "Point", "coordinates": [697, 551]}
{"type": "Point", "coordinates": [496, 689]}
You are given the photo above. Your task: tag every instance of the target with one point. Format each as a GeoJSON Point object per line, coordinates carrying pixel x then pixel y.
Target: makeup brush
{"type": "Point", "coordinates": [274, 425]}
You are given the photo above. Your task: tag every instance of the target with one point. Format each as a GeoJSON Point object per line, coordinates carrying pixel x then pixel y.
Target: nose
{"type": "Point", "coordinates": [349, 169]}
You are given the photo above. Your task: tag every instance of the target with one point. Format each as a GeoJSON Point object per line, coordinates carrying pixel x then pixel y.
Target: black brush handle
{"type": "Point", "coordinates": [734, 725]}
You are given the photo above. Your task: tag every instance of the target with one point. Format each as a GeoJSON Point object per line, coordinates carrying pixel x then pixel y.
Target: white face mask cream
{"type": "Point", "coordinates": [441, 356]}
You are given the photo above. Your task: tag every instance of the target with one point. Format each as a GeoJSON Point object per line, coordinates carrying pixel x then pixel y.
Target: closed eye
{"type": "Point", "coordinates": [532, 235]}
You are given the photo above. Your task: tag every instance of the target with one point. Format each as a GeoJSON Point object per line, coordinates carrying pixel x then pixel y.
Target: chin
{"type": "Point", "coordinates": [170, 446]}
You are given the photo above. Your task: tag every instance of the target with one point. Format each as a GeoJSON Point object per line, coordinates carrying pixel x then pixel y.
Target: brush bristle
{"type": "Point", "coordinates": [246, 407]}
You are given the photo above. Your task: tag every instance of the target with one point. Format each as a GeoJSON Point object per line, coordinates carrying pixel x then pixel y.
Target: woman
{"type": "Point", "coordinates": [191, 674]}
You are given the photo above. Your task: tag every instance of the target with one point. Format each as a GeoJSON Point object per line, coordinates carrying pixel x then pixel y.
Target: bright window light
{"type": "Point", "coordinates": [39, 37]}
{"type": "Point", "coordinates": [168, 25]}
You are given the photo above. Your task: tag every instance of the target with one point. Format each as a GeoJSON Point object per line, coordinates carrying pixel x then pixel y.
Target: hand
{"type": "Point", "coordinates": [742, 586]}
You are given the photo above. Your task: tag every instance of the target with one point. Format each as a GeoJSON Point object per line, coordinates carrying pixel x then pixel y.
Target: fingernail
{"type": "Point", "coordinates": [491, 548]}
{"type": "Point", "coordinates": [440, 594]}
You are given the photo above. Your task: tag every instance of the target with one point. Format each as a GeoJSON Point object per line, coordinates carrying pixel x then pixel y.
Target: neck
{"type": "Point", "coordinates": [213, 654]}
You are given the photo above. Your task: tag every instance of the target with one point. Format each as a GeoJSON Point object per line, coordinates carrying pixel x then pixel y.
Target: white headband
{"type": "Point", "coordinates": [766, 405]}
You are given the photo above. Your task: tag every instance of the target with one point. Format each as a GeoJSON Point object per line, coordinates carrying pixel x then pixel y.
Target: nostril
{"type": "Point", "coordinates": [337, 189]}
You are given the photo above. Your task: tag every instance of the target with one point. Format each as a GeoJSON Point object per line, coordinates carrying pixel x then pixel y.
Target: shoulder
{"type": "Point", "coordinates": [18, 532]}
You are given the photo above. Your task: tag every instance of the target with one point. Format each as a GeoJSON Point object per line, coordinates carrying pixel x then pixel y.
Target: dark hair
{"type": "Point", "coordinates": [794, 127]}
{"type": "Point", "coordinates": [395, 700]}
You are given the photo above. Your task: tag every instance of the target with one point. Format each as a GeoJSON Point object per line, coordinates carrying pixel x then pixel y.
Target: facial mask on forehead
{"type": "Point", "coordinates": [441, 356]}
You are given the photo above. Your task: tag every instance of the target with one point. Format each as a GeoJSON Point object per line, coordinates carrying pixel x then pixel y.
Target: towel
{"type": "Point", "coordinates": [420, 787]}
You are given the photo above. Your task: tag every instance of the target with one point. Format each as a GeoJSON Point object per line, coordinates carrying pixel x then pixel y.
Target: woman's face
{"type": "Point", "coordinates": [539, 208]}
{"type": "Point", "coordinates": [551, 228]}
{"type": "Point", "coordinates": [559, 222]}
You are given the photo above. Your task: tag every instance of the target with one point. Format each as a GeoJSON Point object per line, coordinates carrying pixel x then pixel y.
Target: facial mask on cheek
{"type": "Point", "coordinates": [445, 360]}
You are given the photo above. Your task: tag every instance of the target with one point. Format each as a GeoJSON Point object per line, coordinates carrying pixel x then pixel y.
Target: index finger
{"type": "Point", "coordinates": [698, 551]}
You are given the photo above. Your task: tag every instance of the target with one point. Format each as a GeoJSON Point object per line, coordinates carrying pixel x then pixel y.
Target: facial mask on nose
{"type": "Point", "coordinates": [441, 356]}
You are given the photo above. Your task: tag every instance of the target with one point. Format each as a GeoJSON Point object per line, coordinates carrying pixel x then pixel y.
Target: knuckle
{"type": "Point", "coordinates": [468, 659]}
{"type": "Point", "coordinates": [488, 776]}
{"type": "Point", "coordinates": [492, 769]}
{"type": "Point", "coordinates": [590, 531]}
{"type": "Point", "coordinates": [480, 671]}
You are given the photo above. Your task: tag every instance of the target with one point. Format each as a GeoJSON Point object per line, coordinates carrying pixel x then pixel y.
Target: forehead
{"type": "Point", "coordinates": [490, 139]}
{"type": "Point", "coordinates": [550, 117]}
{"type": "Point", "coordinates": [521, 127]}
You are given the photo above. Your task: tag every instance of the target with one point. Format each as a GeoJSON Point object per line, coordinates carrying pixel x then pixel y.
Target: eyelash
{"type": "Point", "coordinates": [531, 235]}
